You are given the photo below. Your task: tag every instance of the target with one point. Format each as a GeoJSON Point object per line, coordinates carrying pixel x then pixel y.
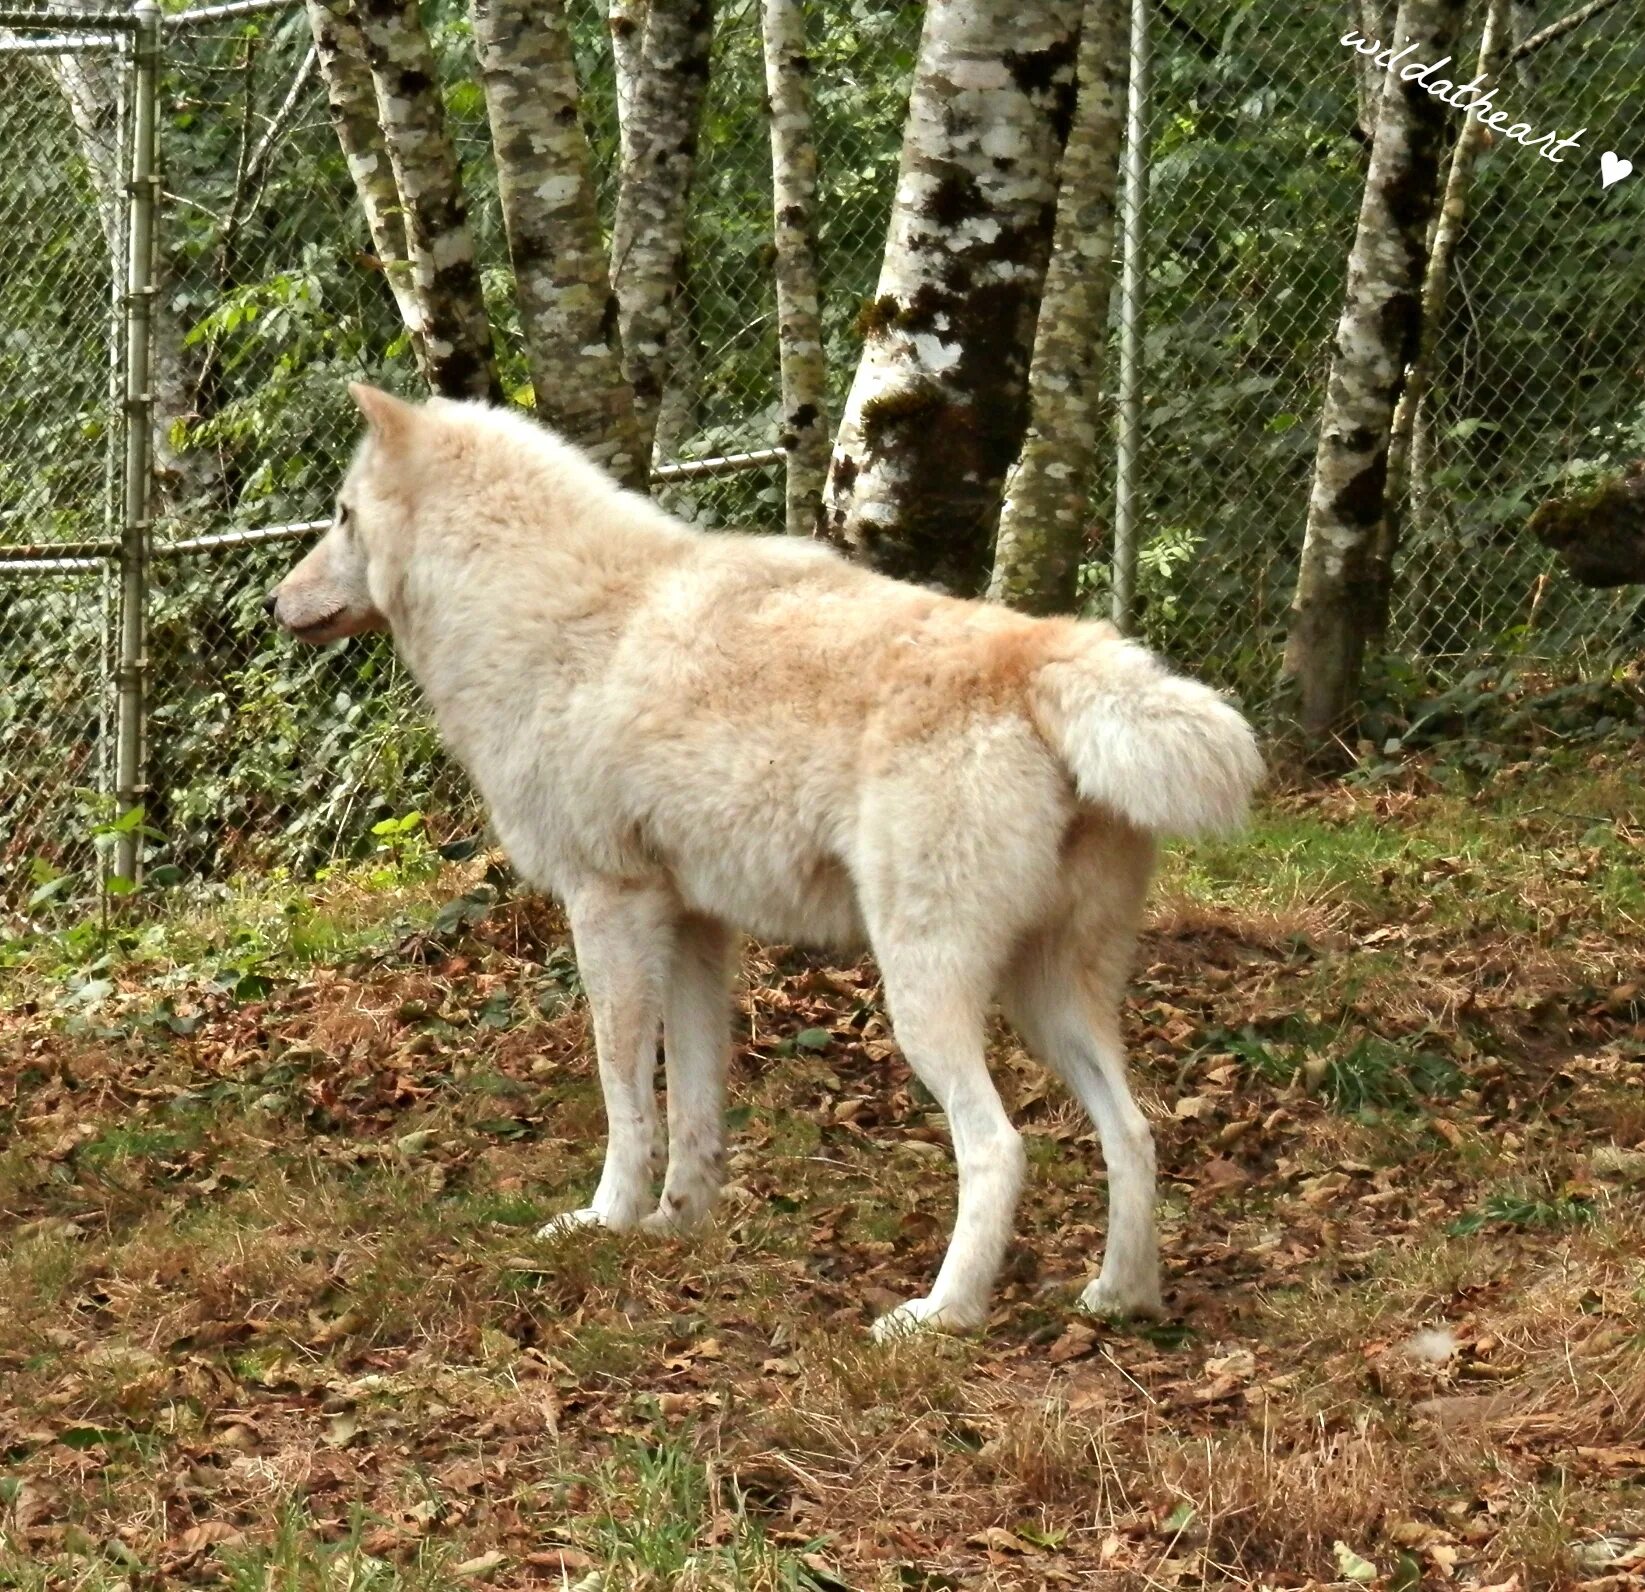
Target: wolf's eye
{"type": "Point", "coordinates": [342, 515]}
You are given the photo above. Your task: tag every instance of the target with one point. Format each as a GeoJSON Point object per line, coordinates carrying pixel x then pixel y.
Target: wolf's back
{"type": "Point", "coordinates": [1166, 753]}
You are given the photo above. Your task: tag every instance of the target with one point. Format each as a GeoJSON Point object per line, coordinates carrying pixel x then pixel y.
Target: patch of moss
{"type": "Point", "coordinates": [1599, 533]}
{"type": "Point", "coordinates": [880, 415]}
{"type": "Point", "coordinates": [877, 315]}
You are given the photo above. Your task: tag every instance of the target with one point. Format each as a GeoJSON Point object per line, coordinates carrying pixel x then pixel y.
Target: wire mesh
{"type": "Point", "coordinates": [263, 755]}
{"type": "Point", "coordinates": [1539, 383]}
{"type": "Point", "coordinates": [1257, 164]}
{"type": "Point", "coordinates": [61, 226]}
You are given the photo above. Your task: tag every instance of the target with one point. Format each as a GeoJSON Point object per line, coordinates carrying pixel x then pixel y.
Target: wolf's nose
{"type": "Point", "coordinates": [269, 602]}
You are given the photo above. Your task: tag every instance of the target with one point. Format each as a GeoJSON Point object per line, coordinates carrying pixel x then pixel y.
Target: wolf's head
{"type": "Point", "coordinates": [337, 590]}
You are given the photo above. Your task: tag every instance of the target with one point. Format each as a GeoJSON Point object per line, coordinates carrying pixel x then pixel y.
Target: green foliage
{"type": "Point", "coordinates": [1525, 1209]}
{"type": "Point", "coordinates": [1358, 1073]}
{"type": "Point", "coordinates": [1378, 1074]}
{"type": "Point", "coordinates": [656, 1504]}
{"type": "Point", "coordinates": [1493, 715]}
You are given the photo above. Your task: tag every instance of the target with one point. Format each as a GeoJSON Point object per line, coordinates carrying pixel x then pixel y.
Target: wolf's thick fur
{"type": "Point", "coordinates": [686, 734]}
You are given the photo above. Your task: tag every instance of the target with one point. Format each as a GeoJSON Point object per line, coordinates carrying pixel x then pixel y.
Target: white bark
{"type": "Point", "coordinates": [561, 274]}
{"type": "Point", "coordinates": [1436, 285]}
{"type": "Point", "coordinates": [936, 411]}
{"type": "Point", "coordinates": [1048, 496]}
{"type": "Point", "coordinates": [444, 276]}
{"type": "Point", "coordinates": [648, 232]}
{"type": "Point", "coordinates": [799, 314]}
{"type": "Point", "coordinates": [1373, 19]}
{"type": "Point", "coordinates": [353, 102]}
{"type": "Point", "coordinates": [625, 20]}
{"type": "Point", "coordinates": [1334, 608]}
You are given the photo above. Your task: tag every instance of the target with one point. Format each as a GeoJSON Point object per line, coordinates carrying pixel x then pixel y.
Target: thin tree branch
{"type": "Point", "coordinates": [1558, 30]}
{"type": "Point", "coordinates": [257, 168]}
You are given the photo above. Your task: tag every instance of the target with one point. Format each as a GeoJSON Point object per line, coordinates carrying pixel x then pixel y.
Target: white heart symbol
{"type": "Point", "coordinates": [1613, 168]}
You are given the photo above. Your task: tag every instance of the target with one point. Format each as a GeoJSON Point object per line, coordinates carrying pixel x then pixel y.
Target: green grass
{"type": "Point", "coordinates": [1474, 856]}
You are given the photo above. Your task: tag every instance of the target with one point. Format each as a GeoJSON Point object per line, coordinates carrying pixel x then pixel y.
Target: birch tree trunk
{"type": "Point", "coordinates": [799, 315]}
{"type": "Point", "coordinates": [1404, 491]}
{"type": "Point", "coordinates": [1372, 19]}
{"type": "Point", "coordinates": [444, 277]}
{"type": "Point", "coordinates": [561, 273]}
{"type": "Point", "coordinates": [1334, 608]}
{"type": "Point", "coordinates": [677, 414]}
{"type": "Point", "coordinates": [937, 408]}
{"type": "Point", "coordinates": [1048, 494]}
{"type": "Point", "coordinates": [353, 101]}
{"type": "Point", "coordinates": [648, 233]}
{"type": "Point", "coordinates": [625, 20]}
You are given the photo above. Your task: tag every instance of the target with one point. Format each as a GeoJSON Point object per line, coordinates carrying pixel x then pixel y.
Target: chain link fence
{"type": "Point", "coordinates": [1256, 170]}
{"type": "Point", "coordinates": [64, 125]}
{"type": "Point", "coordinates": [262, 756]}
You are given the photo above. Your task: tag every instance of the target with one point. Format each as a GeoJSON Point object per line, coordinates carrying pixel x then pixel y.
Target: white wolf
{"type": "Point", "coordinates": [684, 734]}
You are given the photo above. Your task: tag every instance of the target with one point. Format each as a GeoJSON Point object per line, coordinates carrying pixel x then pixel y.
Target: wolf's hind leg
{"type": "Point", "coordinates": [1068, 1017]}
{"type": "Point", "coordinates": [623, 935]}
{"type": "Point", "coordinates": [937, 1015]}
{"type": "Point", "coordinates": [696, 1051]}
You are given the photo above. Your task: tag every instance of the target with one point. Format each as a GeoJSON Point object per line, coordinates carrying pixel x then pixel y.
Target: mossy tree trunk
{"type": "Point", "coordinates": [562, 285]}
{"type": "Point", "coordinates": [353, 101]}
{"type": "Point", "coordinates": [1371, 19]}
{"type": "Point", "coordinates": [654, 185]}
{"type": "Point", "coordinates": [938, 405]}
{"type": "Point", "coordinates": [625, 21]}
{"type": "Point", "coordinates": [1042, 527]}
{"type": "Point", "coordinates": [445, 279]}
{"type": "Point", "coordinates": [1406, 491]}
{"type": "Point", "coordinates": [1334, 609]}
{"type": "Point", "coordinates": [799, 314]}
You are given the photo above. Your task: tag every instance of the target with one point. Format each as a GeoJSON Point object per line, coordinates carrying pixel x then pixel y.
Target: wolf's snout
{"type": "Point", "coordinates": [270, 601]}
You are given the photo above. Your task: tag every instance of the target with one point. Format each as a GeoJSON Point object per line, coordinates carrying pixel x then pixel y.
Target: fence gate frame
{"type": "Point", "coordinates": [136, 38]}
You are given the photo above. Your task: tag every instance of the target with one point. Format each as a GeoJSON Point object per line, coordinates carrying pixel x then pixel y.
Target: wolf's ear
{"type": "Point", "coordinates": [391, 418]}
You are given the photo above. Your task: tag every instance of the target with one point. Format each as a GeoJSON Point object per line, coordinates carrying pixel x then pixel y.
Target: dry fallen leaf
{"type": "Point", "coordinates": [1350, 1566]}
{"type": "Point", "coordinates": [996, 1539]}
{"type": "Point", "coordinates": [1221, 1173]}
{"type": "Point", "coordinates": [472, 1569]}
{"type": "Point", "coordinates": [1078, 1338]}
{"type": "Point", "coordinates": [1626, 1456]}
{"type": "Point", "coordinates": [1241, 1365]}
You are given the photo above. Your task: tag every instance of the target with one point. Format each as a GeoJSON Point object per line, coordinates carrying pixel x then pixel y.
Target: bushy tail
{"type": "Point", "coordinates": [1165, 753]}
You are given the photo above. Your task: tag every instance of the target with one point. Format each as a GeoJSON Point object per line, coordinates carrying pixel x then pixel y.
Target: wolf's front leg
{"type": "Point", "coordinates": [623, 936]}
{"type": "Point", "coordinates": [696, 1050]}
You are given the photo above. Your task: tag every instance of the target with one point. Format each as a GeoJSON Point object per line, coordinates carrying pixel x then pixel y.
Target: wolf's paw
{"type": "Point", "coordinates": [924, 1315]}
{"type": "Point", "coordinates": [1105, 1297]}
{"type": "Point", "coordinates": [688, 1201]}
{"type": "Point", "coordinates": [570, 1221]}
{"type": "Point", "coordinates": [678, 1223]}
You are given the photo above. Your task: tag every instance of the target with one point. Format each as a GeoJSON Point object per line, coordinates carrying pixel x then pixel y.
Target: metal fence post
{"type": "Point", "coordinates": [132, 672]}
{"type": "Point", "coordinates": [1133, 263]}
